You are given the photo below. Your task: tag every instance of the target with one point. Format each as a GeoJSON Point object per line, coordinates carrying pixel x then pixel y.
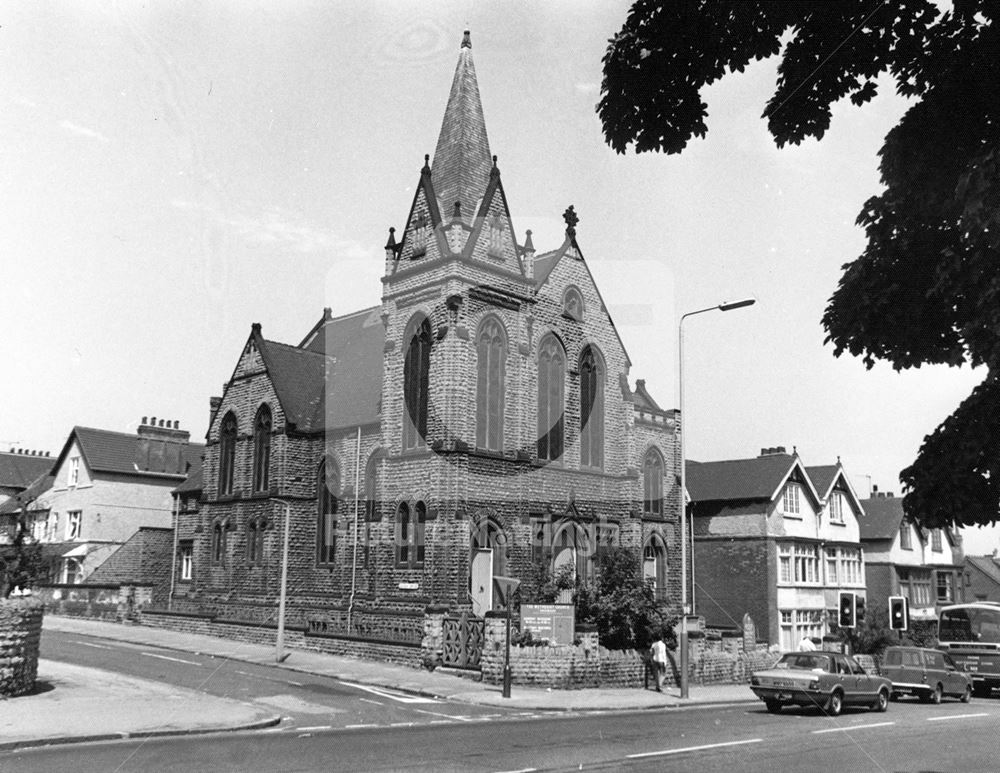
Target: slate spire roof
{"type": "Point", "coordinates": [462, 159]}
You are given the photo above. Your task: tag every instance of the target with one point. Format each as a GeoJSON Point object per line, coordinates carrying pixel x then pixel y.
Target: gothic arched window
{"type": "Point", "coordinates": [262, 449]}
{"type": "Point", "coordinates": [591, 409]}
{"type": "Point", "coordinates": [551, 377]}
{"type": "Point", "coordinates": [652, 483]}
{"type": "Point", "coordinates": [573, 304]}
{"type": "Point", "coordinates": [227, 453]}
{"type": "Point", "coordinates": [416, 369]}
{"type": "Point", "coordinates": [327, 491]}
{"type": "Point", "coordinates": [491, 347]}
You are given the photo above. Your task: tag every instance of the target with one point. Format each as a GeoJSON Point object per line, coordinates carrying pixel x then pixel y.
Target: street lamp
{"type": "Point", "coordinates": [279, 642]}
{"type": "Point", "coordinates": [728, 306]}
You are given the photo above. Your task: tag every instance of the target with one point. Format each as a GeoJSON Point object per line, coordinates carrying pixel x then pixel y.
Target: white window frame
{"type": "Point", "coordinates": [790, 500]}
{"type": "Point", "coordinates": [806, 564]}
{"type": "Point", "coordinates": [785, 575]}
{"type": "Point", "coordinates": [937, 541]}
{"type": "Point", "coordinates": [832, 568]}
{"type": "Point", "coordinates": [74, 524]}
{"type": "Point", "coordinates": [837, 507]}
{"type": "Point", "coordinates": [187, 562]}
{"type": "Point", "coordinates": [851, 566]}
{"type": "Point", "coordinates": [74, 470]}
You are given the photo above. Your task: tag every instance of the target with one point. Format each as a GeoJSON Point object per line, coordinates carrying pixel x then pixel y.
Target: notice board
{"type": "Point", "coordinates": [555, 622]}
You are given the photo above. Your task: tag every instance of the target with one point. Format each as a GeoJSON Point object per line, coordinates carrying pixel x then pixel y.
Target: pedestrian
{"type": "Point", "coordinates": [659, 656]}
{"type": "Point", "coordinates": [806, 645]}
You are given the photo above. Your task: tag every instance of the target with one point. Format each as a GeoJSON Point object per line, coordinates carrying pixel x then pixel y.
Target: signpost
{"type": "Point", "coordinates": [507, 586]}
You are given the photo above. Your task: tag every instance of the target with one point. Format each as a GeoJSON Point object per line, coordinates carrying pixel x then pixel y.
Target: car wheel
{"type": "Point", "coordinates": [936, 695]}
{"type": "Point", "coordinates": [835, 704]}
{"type": "Point", "coordinates": [773, 706]}
{"type": "Point", "coordinates": [894, 696]}
{"type": "Point", "coordinates": [882, 701]}
{"type": "Point", "coordinates": [967, 695]}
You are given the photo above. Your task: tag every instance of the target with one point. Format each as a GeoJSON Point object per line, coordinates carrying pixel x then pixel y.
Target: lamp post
{"type": "Point", "coordinates": [279, 642]}
{"type": "Point", "coordinates": [728, 306]}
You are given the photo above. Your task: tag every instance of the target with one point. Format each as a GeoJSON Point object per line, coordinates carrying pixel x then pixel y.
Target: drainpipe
{"type": "Point", "coordinates": [357, 516]}
{"type": "Point", "coordinates": [173, 562]}
{"type": "Point", "coordinates": [279, 643]}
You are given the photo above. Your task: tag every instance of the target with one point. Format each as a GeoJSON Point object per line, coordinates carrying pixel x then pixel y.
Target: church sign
{"type": "Point", "coordinates": [554, 622]}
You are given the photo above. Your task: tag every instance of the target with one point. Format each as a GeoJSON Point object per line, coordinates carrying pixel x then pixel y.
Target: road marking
{"type": "Point", "coordinates": [383, 693]}
{"type": "Point", "coordinates": [314, 728]}
{"type": "Point", "coordinates": [366, 700]}
{"type": "Point", "coordinates": [958, 716]}
{"type": "Point", "coordinates": [692, 749]}
{"type": "Point", "coordinates": [269, 679]}
{"type": "Point", "coordinates": [522, 770]}
{"type": "Point", "coordinates": [355, 727]}
{"type": "Point", "coordinates": [167, 657]}
{"type": "Point", "coordinates": [95, 646]}
{"type": "Point", "coordinates": [848, 728]}
{"type": "Point", "coordinates": [439, 714]}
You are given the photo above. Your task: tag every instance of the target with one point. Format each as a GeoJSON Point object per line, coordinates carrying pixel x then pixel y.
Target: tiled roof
{"type": "Point", "coordinates": [462, 161]}
{"type": "Point", "coordinates": [19, 470]}
{"type": "Point", "coordinates": [119, 452]}
{"type": "Point", "coordinates": [987, 565]}
{"type": "Point", "coordinates": [354, 345]}
{"type": "Point", "coordinates": [193, 482]}
{"type": "Point", "coordinates": [883, 515]}
{"type": "Point", "coordinates": [544, 264]}
{"type": "Point", "coordinates": [642, 399]}
{"type": "Point", "coordinates": [823, 477]}
{"type": "Point", "coordinates": [39, 486]}
{"type": "Point", "coordinates": [737, 479]}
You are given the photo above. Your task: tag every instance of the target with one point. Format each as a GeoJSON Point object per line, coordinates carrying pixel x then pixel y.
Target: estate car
{"type": "Point", "coordinates": [928, 674]}
{"type": "Point", "coordinates": [826, 680]}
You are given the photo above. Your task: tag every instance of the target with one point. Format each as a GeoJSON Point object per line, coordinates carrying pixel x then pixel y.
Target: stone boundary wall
{"type": "Point", "coordinates": [20, 635]}
{"type": "Point", "coordinates": [296, 637]}
{"type": "Point", "coordinates": [114, 602]}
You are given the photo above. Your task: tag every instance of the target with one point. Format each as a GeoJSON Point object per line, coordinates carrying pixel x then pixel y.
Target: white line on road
{"type": "Point", "coordinates": [692, 749]}
{"type": "Point", "coordinates": [522, 770]}
{"type": "Point", "coordinates": [366, 700]}
{"type": "Point", "coordinates": [439, 714]}
{"type": "Point", "coordinates": [355, 727]}
{"type": "Point", "coordinates": [848, 728]}
{"type": "Point", "coordinates": [313, 728]}
{"type": "Point", "coordinates": [167, 657]}
{"type": "Point", "coordinates": [95, 646]}
{"type": "Point", "coordinates": [958, 716]}
{"type": "Point", "coordinates": [384, 693]}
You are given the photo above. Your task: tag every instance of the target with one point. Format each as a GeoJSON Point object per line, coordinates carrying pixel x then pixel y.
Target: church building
{"type": "Point", "coordinates": [478, 423]}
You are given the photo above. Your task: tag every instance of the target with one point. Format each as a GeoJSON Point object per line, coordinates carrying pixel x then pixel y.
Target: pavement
{"type": "Point", "coordinates": [87, 704]}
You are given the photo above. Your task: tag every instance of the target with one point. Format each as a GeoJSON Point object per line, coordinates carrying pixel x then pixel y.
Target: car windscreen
{"type": "Point", "coordinates": [970, 624]}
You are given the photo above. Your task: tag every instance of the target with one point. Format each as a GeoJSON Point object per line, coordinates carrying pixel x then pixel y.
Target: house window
{"type": "Point", "coordinates": [785, 563]}
{"type": "Point", "coordinates": [790, 499]}
{"type": "Point", "coordinates": [74, 524]}
{"type": "Point", "coordinates": [654, 567]}
{"type": "Point", "coordinates": [327, 491]}
{"type": "Point", "coordinates": [945, 588]}
{"type": "Point", "coordinates": [262, 449]}
{"type": "Point", "coordinates": [573, 304]}
{"type": "Point", "coordinates": [831, 566]}
{"type": "Point", "coordinates": [652, 483]}
{"type": "Point", "coordinates": [905, 539]}
{"type": "Point", "coordinates": [799, 623]}
{"type": "Point", "coordinates": [551, 377]}
{"type": "Point", "coordinates": [219, 542]}
{"type": "Point", "coordinates": [227, 454]}
{"type": "Point", "coordinates": [416, 369]}
{"type": "Point", "coordinates": [915, 584]}
{"type": "Point", "coordinates": [255, 541]}
{"type": "Point", "coordinates": [806, 564]}
{"type": "Point", "coordinates": [72, 572]}
{"type": "Point", "coordinates": [936, 540]}
{"type": "Point", "coordinates": [850, 567]}
{"type": "Point", "coordinates": [491, 348]}
{"type": "Point", "coordinates": [410, 535]}
{"type": "Point", "coordinates": [837, 508]}
{"type": "Point", "coordinates": [788, 641]}
{"type": "Point", "coordinates": [185, 557]}
{"type": "Point", "coordinates": [591, 409]}
{"type": "Point", "coordinates": [74, 470]}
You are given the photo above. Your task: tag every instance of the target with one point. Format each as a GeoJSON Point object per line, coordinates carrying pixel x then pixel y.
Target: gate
{"type": "Point", "coordinates": [463, 641]}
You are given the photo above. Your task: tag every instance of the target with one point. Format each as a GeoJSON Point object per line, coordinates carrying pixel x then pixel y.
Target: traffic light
{"type": "Point", "coordinates": [859, 609]}
{"type": "Point", "coordinates": [899, 613]}
{"type": "Point", "coordinates": [848, 610]}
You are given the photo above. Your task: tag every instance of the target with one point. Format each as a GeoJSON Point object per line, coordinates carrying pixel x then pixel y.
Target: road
{"type": "Point", "coordinates": [356, 734]}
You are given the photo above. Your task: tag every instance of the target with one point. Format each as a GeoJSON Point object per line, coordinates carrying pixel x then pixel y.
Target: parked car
{"type": "Point", "coordinates": [827, 680]}
{"type": "Point", "coordinates": [928, 674]}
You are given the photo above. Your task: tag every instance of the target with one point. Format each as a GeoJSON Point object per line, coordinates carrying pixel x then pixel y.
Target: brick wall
{"type": "Point", "coordinates": [20, 636]}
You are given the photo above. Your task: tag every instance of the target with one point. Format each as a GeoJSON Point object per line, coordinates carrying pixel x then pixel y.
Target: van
{"type": "Point", "coordinates": [928, 674]}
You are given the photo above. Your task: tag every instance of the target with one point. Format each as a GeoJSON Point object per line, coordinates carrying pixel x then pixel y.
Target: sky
{"type": "Point", "coordinates": [176, 171]}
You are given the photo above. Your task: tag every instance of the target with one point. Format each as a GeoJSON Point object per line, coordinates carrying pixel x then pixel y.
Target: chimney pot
{"type": "Point", "coordinates": [143, 420]}
{"type": "Point", "coordinates": [763, 452]}
{"type": "Point", "coordinates": [152, 421]}
{"type": "Point", "coordinates": [779, 450]}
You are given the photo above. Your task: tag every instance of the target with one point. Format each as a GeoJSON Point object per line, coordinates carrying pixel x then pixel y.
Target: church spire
{"type": "Point", "coordinates": [462, 159]}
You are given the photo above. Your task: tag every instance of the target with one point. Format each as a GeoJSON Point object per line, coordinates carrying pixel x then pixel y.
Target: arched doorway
{"type": "Point", "coordinates": [571, 554]}
{"type": "Point", "coordinates": [488, 547]}
{"type": "Point", "coordinates": [654, 565]}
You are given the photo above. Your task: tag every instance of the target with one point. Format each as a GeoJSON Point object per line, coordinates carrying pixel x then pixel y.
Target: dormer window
{"type": "Point", "coordinates": [495, 248]}
{"type": "Point", "coordinates": [837, 508]}
{"type": "Point", "coordinates": [573, 304]}
{"type": "Point", "coordinates": [905, 541]}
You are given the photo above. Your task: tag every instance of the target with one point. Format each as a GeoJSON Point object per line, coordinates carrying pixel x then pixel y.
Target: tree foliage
{"type": "Point", "coordinates": [22, 566]}
{"type": "Point", "coordinates": [926, 289]}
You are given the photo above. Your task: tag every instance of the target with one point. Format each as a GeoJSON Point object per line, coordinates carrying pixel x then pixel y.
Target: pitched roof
{"type": "Point", "coordinates": [462, 160]}
{"type": "Point", "coordinates": [19, 470]}
{"type": "Point", "coordinates": [987, 565]}
{"type": "Point", "coordinates": [823, 477]}
{"type": "Point", "coordinates": [741, 479]}
{"type": "Point", "coordinates": [641, 397]}
{"type": "Point", "coordinates": [333, 379]}
{"type": "Point", "coordinates": [123, 453]}
{"type": "Point", "coordinates": [39, 486]}
{"type": "Point", "coordinates": [883, 515]}
{"type": "Point", "coordinates": [193, 482]}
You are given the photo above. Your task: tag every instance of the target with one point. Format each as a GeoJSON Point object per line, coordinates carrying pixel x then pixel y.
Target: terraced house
{"type": "Point", "coordinates": [776, 540]}
{"type": "Point", "coordinates": [480, 420]}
